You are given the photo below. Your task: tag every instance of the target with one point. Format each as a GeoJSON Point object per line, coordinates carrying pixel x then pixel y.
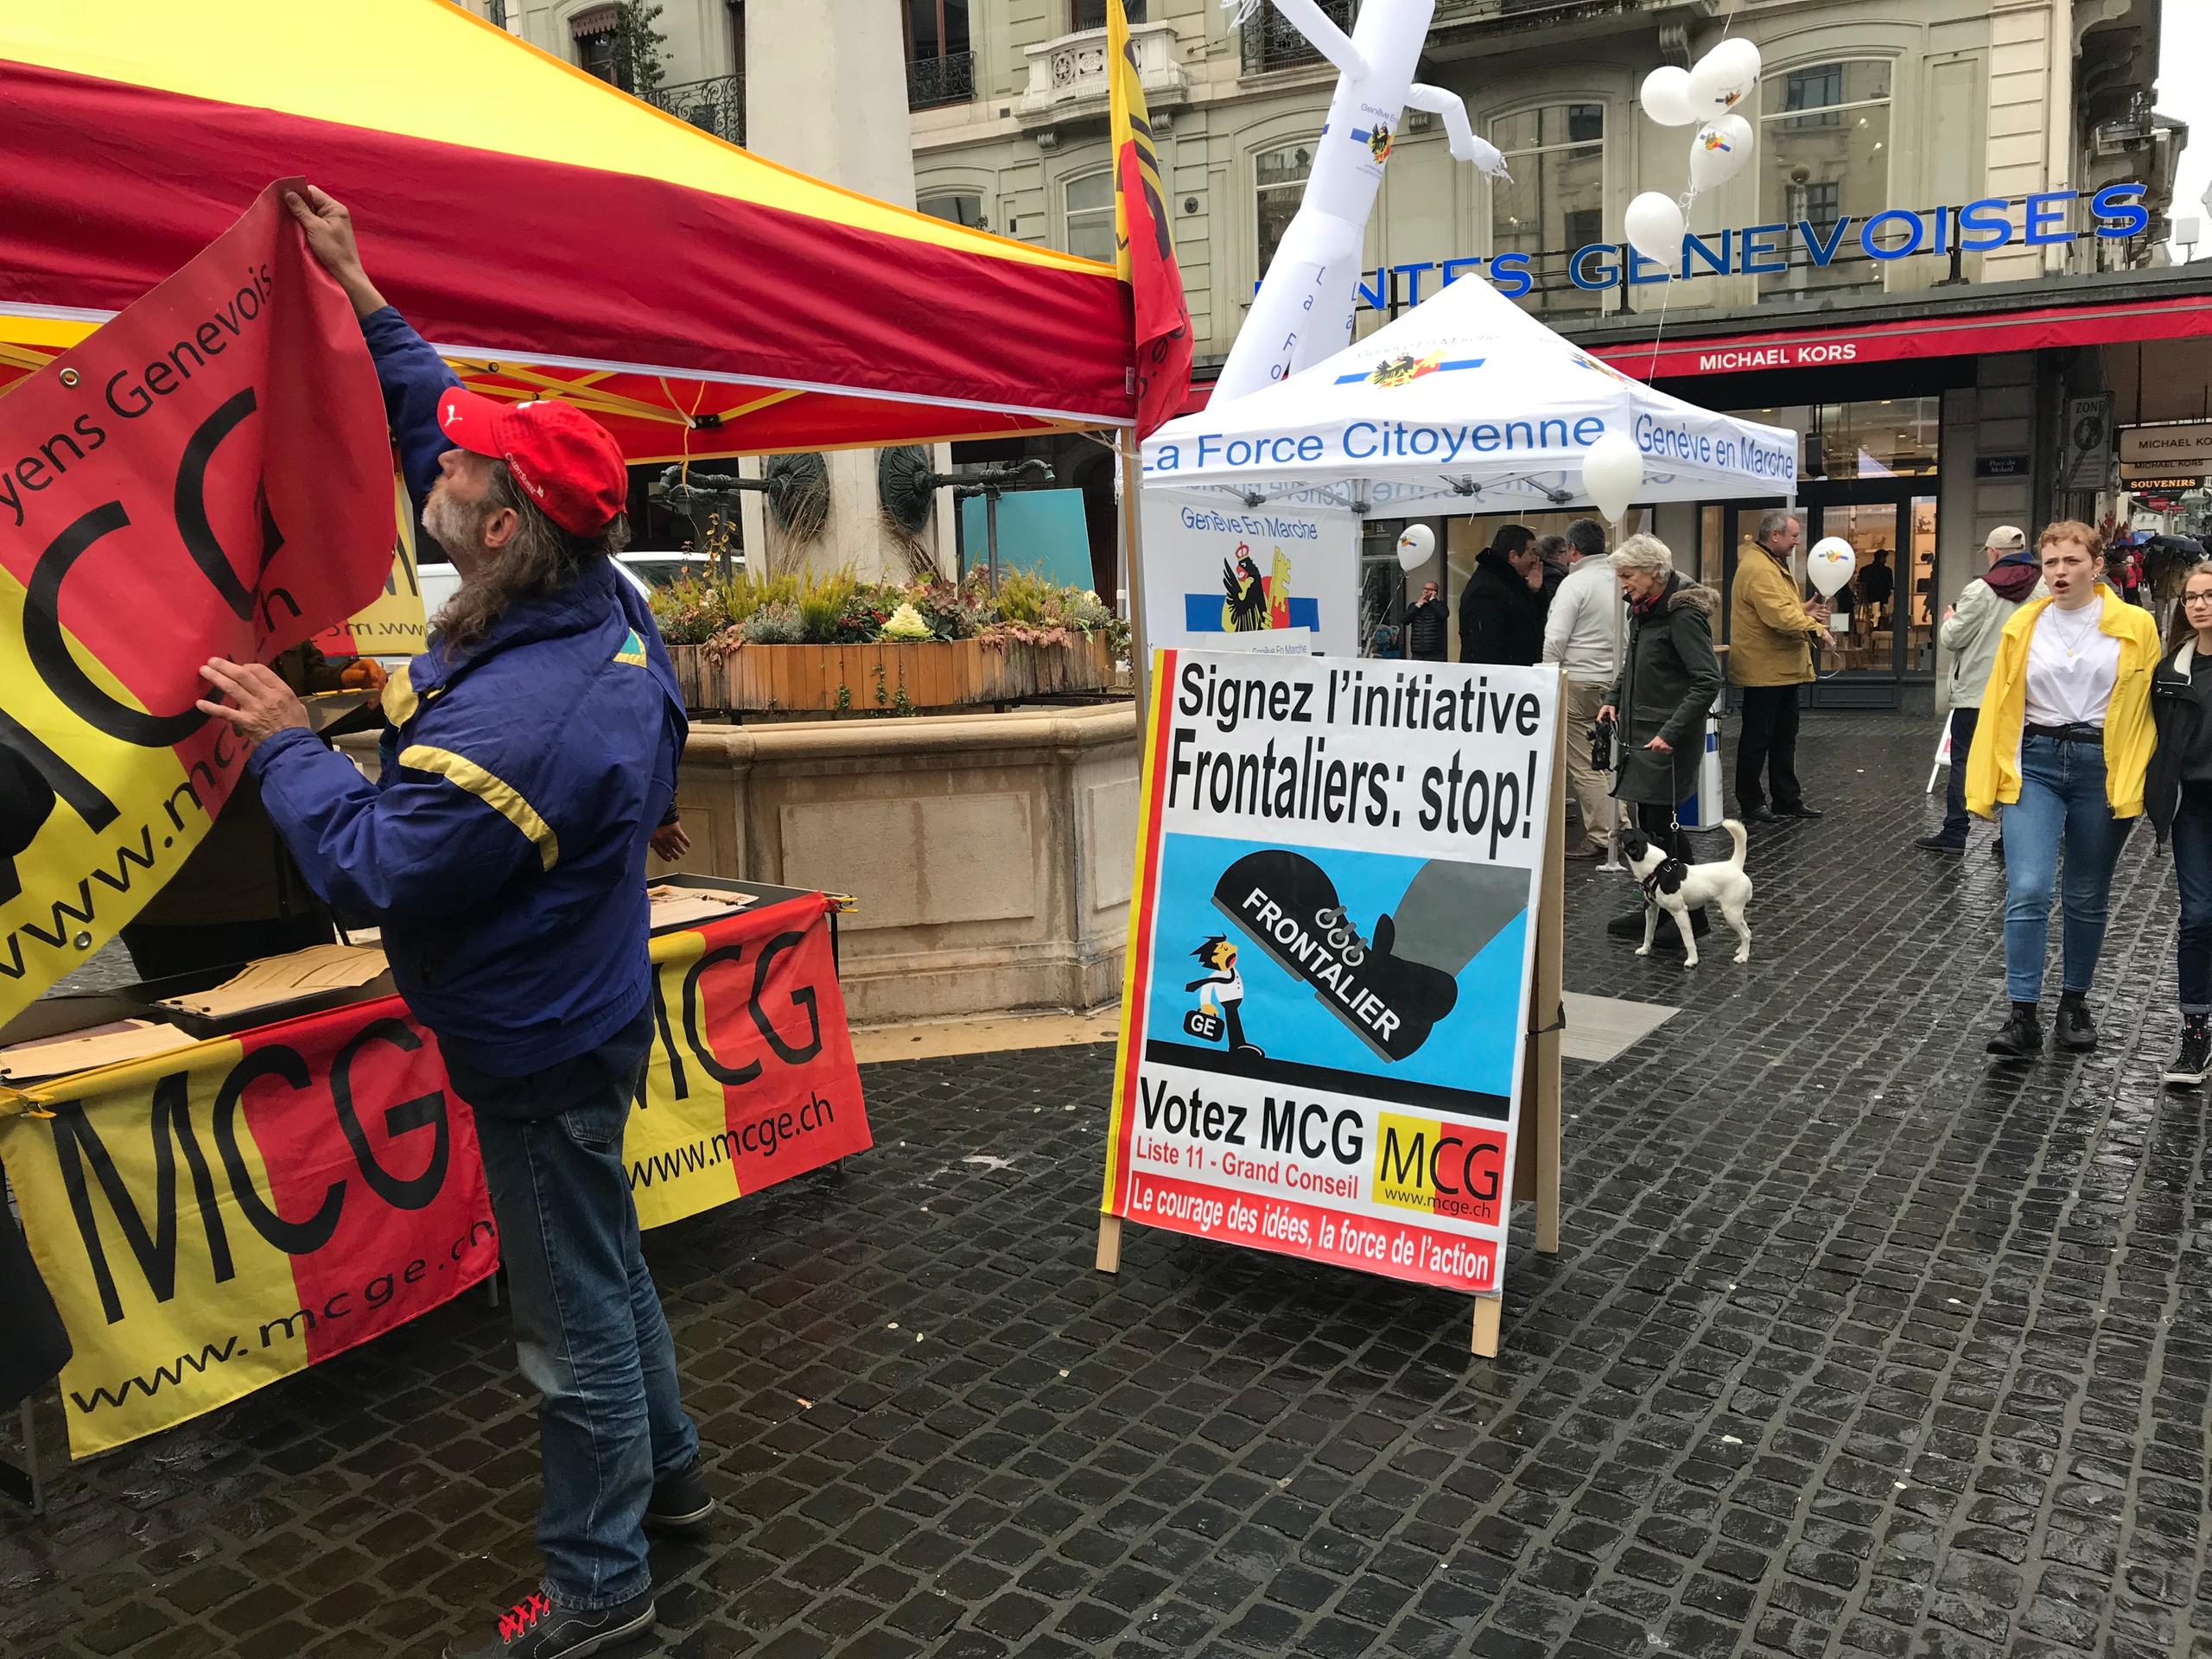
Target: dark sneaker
{"type": "Point", "coordinates": [2022, 1037]}
{"type": "Point", "coordinates": [1759, 814]}
{"type": "Point", "coordinates": [2076, 1030]}
{"type": "Point", "coordinates": [1799, 811]}
{"type": "Point", "coordinates": [1940, 843]}
{"type": "Point", "coordinates": [536, 1629]}
{"type": "Point", "coordinates": [2194, 1060]}
{"type": "Point", "coordinates": [681, 1502]}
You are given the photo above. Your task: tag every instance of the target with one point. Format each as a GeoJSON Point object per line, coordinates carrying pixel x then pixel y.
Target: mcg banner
{"type": "Point", "coordinates": [1324, 1026]}
{"type": "Point", "coordinates": [210, 1221]}
{"type": "Point", "coordinates": [392, 623]}
{"type": "Point", "coordinates": [207, 475]}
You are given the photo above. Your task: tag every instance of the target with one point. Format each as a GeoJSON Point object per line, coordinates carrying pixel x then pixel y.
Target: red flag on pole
{"type": "Point", "coordinates": [1144, 249]}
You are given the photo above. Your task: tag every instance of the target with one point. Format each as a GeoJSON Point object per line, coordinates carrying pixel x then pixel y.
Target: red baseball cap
{"type": "Point", "coordinates": [566, 462]}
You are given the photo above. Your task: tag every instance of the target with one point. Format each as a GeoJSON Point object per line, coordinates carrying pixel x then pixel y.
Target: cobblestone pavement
{"type": "Point", "coordinates": [1854, 1348]}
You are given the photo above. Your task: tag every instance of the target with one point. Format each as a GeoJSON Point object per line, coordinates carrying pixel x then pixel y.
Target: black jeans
{"type": "Point", "coordinates": [1955, 821]}
{"type": "Point", "coordinates": [1657, 823]}
{"type": "Point", "coordinates": [1768, 744]}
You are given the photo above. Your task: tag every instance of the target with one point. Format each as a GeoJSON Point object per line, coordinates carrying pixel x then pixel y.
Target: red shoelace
{"type": "Point", "coordinates": [518, 1620]}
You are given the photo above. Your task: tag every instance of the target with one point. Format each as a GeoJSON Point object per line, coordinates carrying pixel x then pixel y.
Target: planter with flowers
{"type": "Point", "coordinates": [829, 645]}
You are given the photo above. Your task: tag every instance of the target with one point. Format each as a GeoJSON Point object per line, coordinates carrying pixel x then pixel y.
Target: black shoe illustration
{"type": "Point", "coordinates": [1285, 904]}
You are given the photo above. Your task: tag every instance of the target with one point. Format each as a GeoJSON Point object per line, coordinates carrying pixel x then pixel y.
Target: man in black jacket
{"type": "Point", "coordinates": [1426, 629]}
{"type": "Point", "coordinates": [1501, 607]}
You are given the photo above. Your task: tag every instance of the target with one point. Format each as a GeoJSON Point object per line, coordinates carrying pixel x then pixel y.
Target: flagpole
{"type": "Point", "coordinates": [1132, 539]}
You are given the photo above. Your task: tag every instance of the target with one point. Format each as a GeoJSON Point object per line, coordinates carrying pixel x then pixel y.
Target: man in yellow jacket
{"type": "Point", "coordinates": [1770, 636]}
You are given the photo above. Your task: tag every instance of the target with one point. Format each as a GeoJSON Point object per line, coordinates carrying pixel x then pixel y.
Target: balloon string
{"type": "Point", "coordinates": [1666, 298]}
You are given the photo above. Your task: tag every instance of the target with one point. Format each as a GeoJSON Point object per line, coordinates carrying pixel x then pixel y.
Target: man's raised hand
{"type": "Point", "coordinates": [329, 231]}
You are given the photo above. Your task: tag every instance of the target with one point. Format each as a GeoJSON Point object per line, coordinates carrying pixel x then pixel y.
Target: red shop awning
{"type": "Point", "coordinates": [2180, 318]}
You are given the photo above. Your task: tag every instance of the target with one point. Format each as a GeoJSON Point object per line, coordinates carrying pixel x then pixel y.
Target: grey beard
{"type": "Point", "coordinates": [453, 525]}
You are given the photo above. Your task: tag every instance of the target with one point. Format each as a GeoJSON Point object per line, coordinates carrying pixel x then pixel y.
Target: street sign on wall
{"type": "Point", "coordinates": [2085, 444]}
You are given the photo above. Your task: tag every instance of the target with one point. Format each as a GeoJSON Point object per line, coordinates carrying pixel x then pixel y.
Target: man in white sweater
{"type": "Point", "coordinates": [1583, 631]}
{"type": "Point", "coordinates": [1970, 632]}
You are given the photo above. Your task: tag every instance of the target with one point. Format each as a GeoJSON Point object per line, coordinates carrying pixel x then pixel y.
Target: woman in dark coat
{"type": "Point", "coordinates": [1669, 679]}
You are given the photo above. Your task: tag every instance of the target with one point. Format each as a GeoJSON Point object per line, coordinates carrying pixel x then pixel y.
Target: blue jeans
{"type": "Point", "coordinates": [588, 1327]}
{"type": "Point", "coordinates": [2061, 803]}
{"type": "Point", "coordinates": [2193, 875]}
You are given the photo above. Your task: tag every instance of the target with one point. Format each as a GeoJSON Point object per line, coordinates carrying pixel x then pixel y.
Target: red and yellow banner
{"type": "Point", "coordinates": [752, 1079]}
{"type": "Point", "coordinates": [392, 624]}
{"type": "Point", "coordinates": [210, 1221]}
{"type": "Point", "coordinates": [1144, 245]}
{"type": "Point", "coordinates": [207, 475]}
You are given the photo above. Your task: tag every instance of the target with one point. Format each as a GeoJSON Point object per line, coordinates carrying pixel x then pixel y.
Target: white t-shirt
{"type": "Point", "coordinates": [2072, 664]}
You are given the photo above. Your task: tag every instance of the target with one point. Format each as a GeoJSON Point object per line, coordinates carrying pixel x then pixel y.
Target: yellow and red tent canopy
{"type": "Point", "coordinates": [547, 233]}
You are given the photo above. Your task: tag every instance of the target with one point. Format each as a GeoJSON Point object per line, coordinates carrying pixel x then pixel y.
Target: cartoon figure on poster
{"type": "Point", "coordinates": [1221, 997]}
{"type": "Point", "coordinates": [1303, 311]}
{"type": "Point", "coordinates": [1379, 943]}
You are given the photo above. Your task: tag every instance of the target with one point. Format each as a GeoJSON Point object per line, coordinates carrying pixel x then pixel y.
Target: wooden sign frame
{"type": "Point", "coordinates": [1536, 1158]}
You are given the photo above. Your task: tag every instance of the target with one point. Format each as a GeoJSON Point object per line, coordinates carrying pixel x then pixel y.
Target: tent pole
{"type": "Point", "coordinates": [1140, 651]}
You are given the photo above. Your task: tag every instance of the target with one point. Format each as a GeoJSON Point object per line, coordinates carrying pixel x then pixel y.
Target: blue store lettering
{"type": "Point", "coordinates": [2115, 213]}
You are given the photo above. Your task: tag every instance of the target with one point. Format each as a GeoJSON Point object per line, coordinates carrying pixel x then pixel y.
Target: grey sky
{"type": "Point", "coordinates": [2186, 93]}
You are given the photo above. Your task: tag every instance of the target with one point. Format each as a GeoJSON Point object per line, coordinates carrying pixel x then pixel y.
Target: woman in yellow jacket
{"type": "Point", "coordinates": [2062, 744]}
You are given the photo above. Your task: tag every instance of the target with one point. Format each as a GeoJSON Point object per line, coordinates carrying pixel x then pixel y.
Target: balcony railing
{"type": "Point", "coordinates": [1272, 40]}
{"type": "Point", "coordinates": [715, 105]}
{"type": "Point", "coordinates": [1069, 79]}
{"type": "Point", "coordinates": [1454, 12]}
{"type": "Point", "coordinates": [934, 81]}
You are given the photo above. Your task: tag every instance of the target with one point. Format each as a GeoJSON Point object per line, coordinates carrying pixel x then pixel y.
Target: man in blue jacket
{"type": "Point", "coordinates": [528, 755]}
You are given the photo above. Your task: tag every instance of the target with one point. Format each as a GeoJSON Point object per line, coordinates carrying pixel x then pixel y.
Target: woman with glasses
{"type": "Point", "coordinates": [2178, 797]}
{"type": "Point", "coordinates": [2063, 745]}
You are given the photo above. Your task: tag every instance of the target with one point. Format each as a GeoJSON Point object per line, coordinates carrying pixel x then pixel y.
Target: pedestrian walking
{"type": "Point", "coordinates": [528, 761]}
{"type": "Point", "coordinates": [1970, 632]}
{"type": "Point", "coordinates": [1582, 634]}
{"type": "Point", "coordinates": [1668, 680]}
{"type": "Point", "coordinates": [1770, 637]}
{"type": "Point", "coordinates": [1427, 632]}
{"type": "Point", "coordinates": [2063, 746]}
{"type": "Point", "coordinates": [2178, 797]}
{"type": "Point", "coordinates": [1501, 607]}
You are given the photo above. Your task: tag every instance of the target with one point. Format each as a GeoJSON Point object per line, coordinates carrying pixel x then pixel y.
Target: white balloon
{"type": "Point", "coordinates": [1654, 227]}
{"type": "Point", "coordinates": [1721, 79]}
{"type": "Point", "coordinates": [1830, 563]}
{"type": "Point", "coordinates": [1720, 151]}
{"type": "Point", "coordinates": [1612, 472]}
{"type": "Point", "coordinates": [1666, 96]}
{"type": "Point", "coordinates": [1416, 547]}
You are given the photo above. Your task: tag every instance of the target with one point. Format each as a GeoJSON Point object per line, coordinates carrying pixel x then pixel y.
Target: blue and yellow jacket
{"type": "Point", "coordinates": [502, 849]}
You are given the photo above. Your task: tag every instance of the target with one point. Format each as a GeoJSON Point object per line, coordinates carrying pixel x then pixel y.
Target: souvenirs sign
{"type": "Point", "coordinates": [1323, 1029]}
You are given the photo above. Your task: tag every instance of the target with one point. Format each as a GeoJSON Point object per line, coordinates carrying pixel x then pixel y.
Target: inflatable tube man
{"type": "Point", "coordinates": [1303, 311]}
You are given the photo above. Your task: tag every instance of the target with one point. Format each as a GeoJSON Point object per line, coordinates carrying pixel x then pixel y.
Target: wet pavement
{"type": "Point", "coordinates": [1854, 1347]}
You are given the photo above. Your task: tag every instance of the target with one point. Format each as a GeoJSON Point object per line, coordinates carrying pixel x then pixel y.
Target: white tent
{"type": "Point", "coordinates": [1468, 400]}
{"type": "Point", "coordinates": [1465, 404]}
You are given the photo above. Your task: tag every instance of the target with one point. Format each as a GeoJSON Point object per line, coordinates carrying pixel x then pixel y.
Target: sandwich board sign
{"type": "Point", "coordinates": [1343, 970]}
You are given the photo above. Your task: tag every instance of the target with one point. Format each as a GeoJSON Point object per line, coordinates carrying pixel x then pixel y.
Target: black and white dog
{"type": "Point", "coordinates": [1678, 888]}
